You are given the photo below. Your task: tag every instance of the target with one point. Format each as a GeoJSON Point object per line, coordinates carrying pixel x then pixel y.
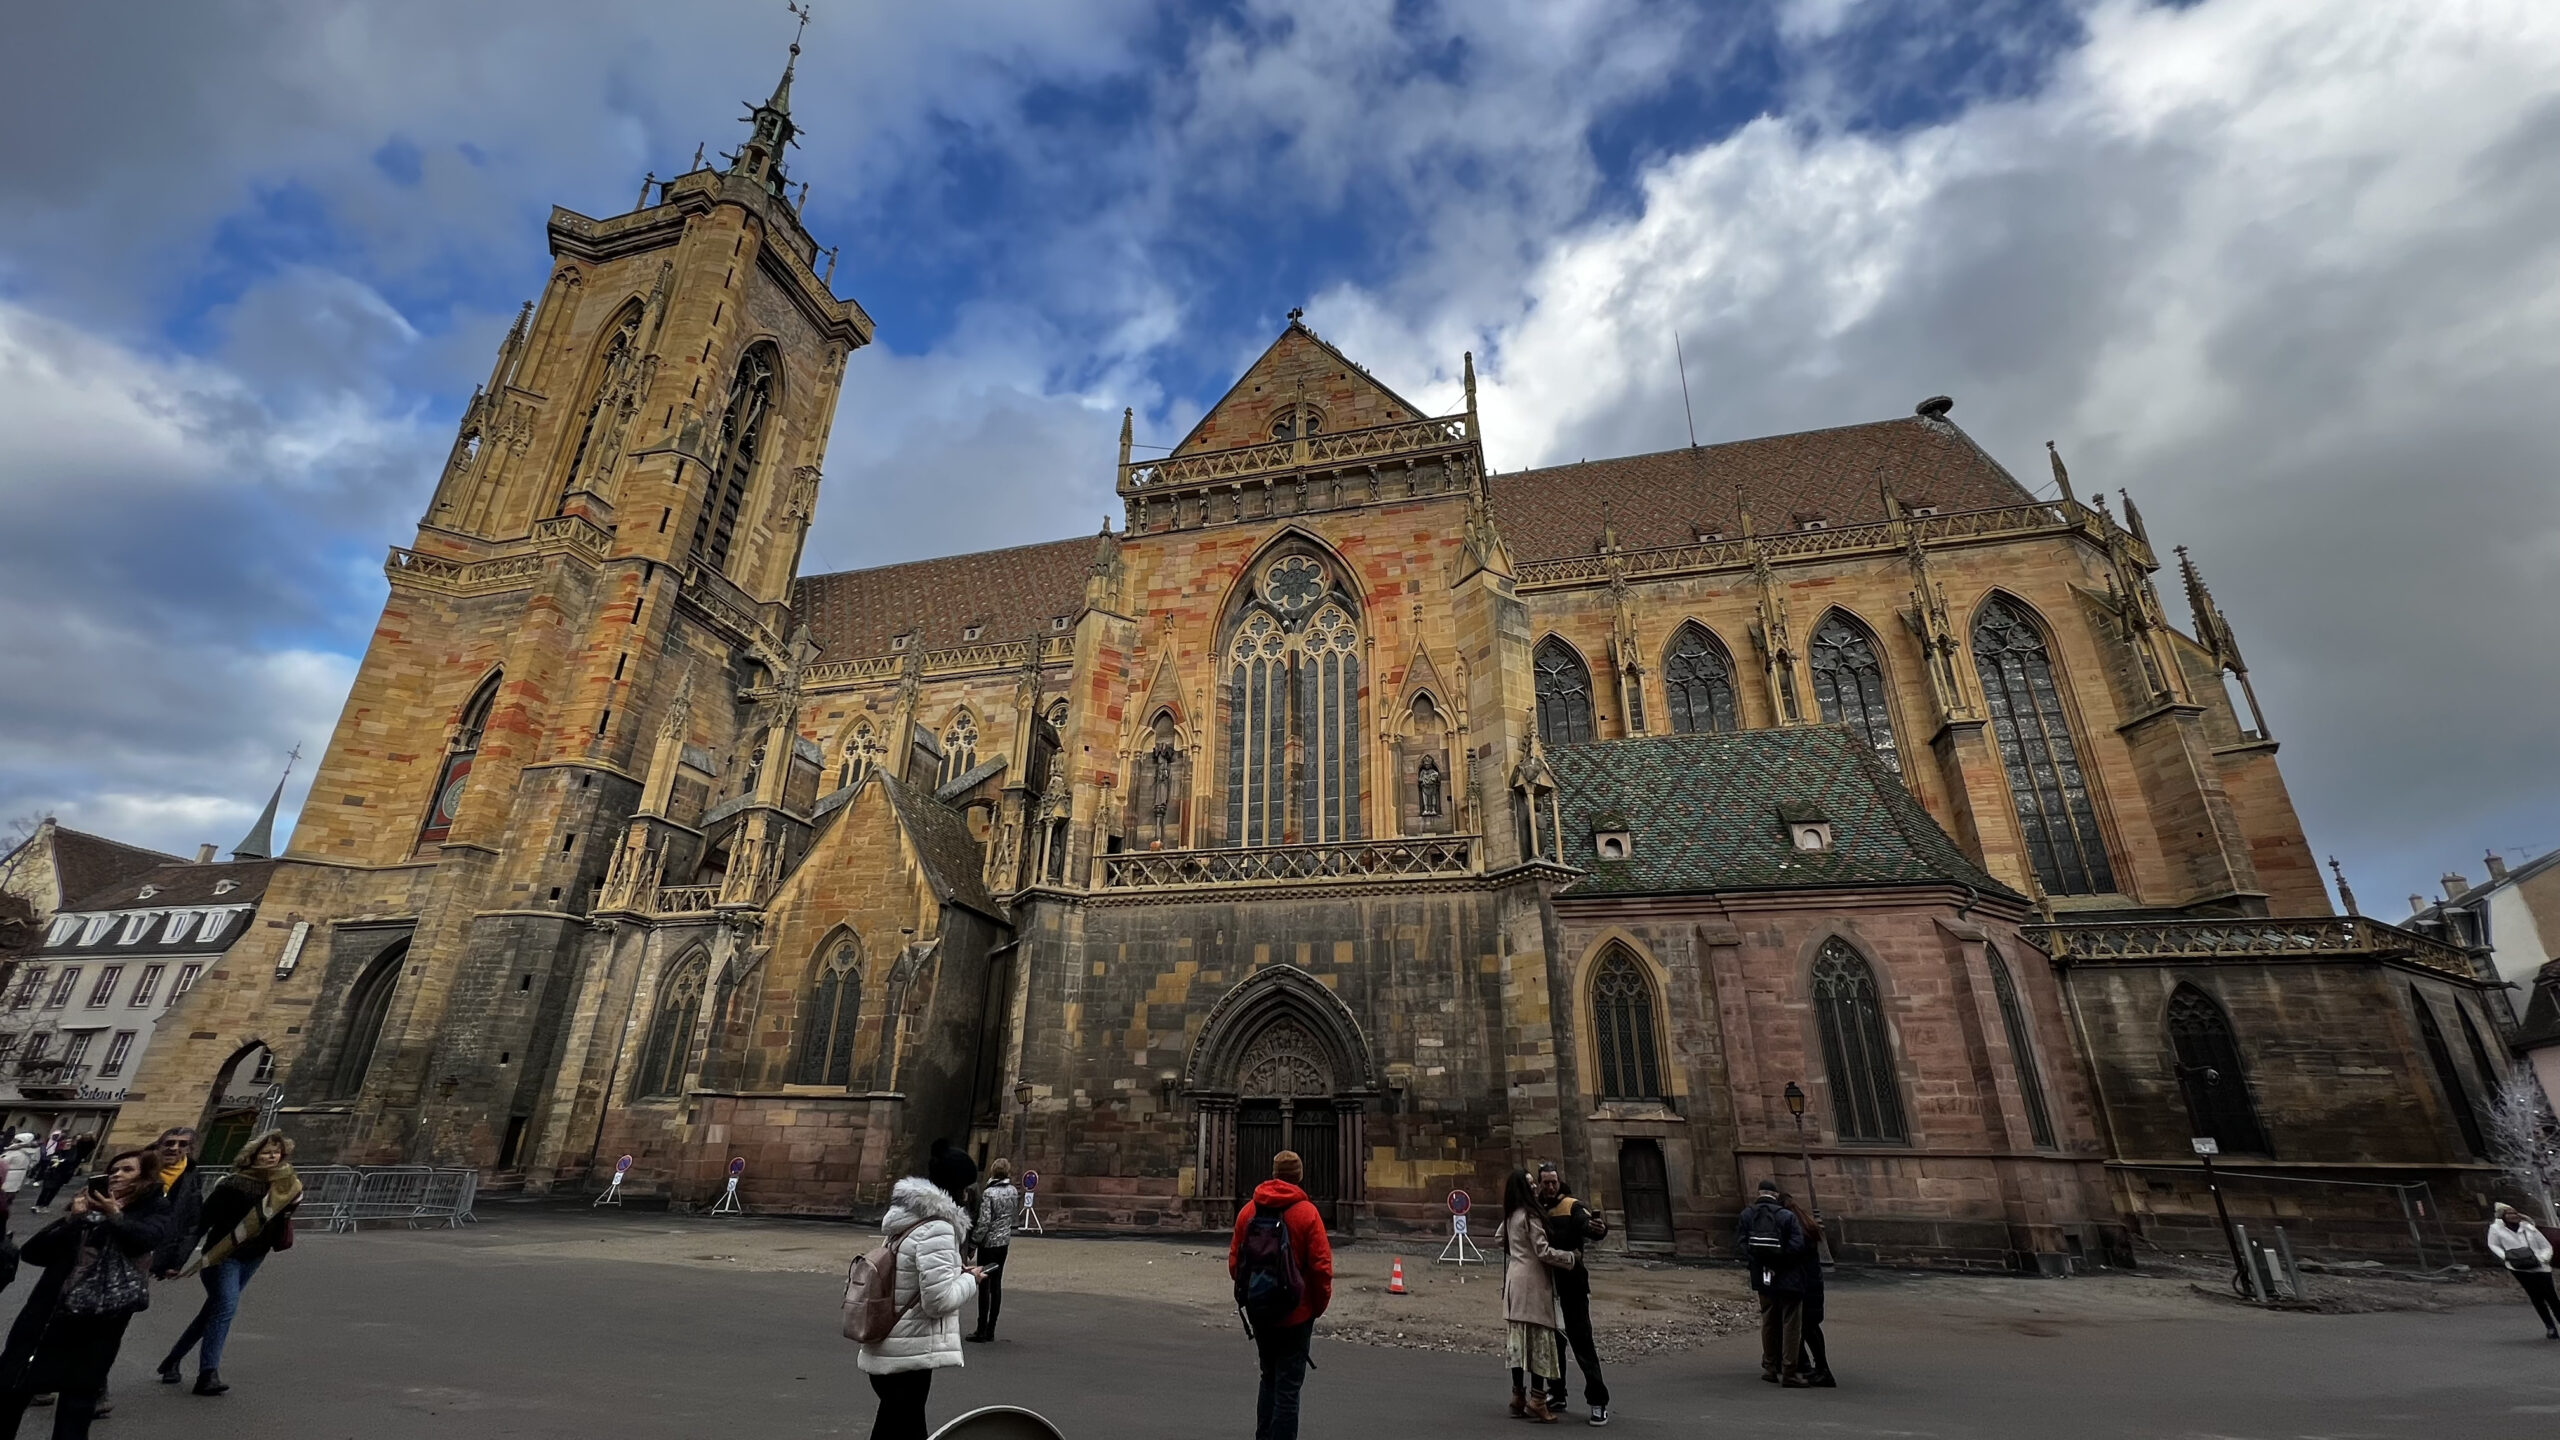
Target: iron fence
{"type": "Point", "coordinates": [342, 1197]}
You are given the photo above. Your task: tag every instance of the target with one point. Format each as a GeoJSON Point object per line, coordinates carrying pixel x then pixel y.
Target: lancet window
{"type": "Point", "coordinates": [458, 756]}
{"type": "Point", "coordinates": [861, 755]}
{"type": "Point", "coordinates": [1293, 722]}
{"type": "Point", "coordinates": [828, 1025]}
{"type": "Point", "coordinates": [733, 461]}
{"type": "Point", "coordinates": [367, 1009]}
{"type": "Point", "coordinates": [1698, 675]}
{"type": "Point", "coordinates": [668, 1057]}
{"type": "Point", "coordinates": [959, 747]}
{"type": "Point", "coordinates": [613, 379]}
{"type": "Point", "coordinates": [2210, 1075]}
{"type": "Point", "coordinates": [1564, 694]}
{"type": "Point", "coordinates": [1848, 682]}
{"type": "Point", "coordinates": [2456, 1095]}
{"type": "Point", "coordinates": [1866, 1100]}
{"type": "Point", "coordinates": [2022, 1051]}
{"type": "Point", "coordinates": [2045, 780]}
{"type": "Point", "coordinates": [1623, 1029]}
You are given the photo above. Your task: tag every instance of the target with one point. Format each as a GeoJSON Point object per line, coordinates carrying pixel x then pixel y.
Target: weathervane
{"type": "Point", "coordinates": [796, 8]}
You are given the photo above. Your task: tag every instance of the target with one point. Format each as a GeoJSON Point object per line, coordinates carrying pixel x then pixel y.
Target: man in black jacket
{"type": "Point", "coordinates": [182, 1181]}
{"type": "Point", "coordinates": [1570, 1226]}
{"type": "Point", "coordinates": [1772, 1242]}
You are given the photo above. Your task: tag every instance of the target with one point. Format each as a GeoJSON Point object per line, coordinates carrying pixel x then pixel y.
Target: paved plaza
{"type": "Point", "coordinates": [636, 1327]}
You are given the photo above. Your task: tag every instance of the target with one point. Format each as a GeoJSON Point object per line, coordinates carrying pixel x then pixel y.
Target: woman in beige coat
{"type": "Point", "coordinates": [1529, 1299]}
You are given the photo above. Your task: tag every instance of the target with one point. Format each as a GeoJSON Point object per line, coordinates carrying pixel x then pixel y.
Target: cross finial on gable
{"type": "Point", "coordinates": [1297, 313]}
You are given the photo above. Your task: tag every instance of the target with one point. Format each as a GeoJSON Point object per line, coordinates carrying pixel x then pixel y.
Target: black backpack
{"type": "Point", "coordinates": [1268, 1285]}
{"type": "Point", "coordinates": [1767, 1237]}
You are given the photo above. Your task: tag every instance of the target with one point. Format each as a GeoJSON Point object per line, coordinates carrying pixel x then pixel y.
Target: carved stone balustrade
{"type": "Point", "coordinates": [686, 899]}
{"type": "Point", "coordinates": [1423, 857]}
{"type": "Point", "coordinates": [2314, 937]}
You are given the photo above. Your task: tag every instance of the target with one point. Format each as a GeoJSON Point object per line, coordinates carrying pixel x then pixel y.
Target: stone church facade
{"type": "Point", "coordinates": [1345, 796]}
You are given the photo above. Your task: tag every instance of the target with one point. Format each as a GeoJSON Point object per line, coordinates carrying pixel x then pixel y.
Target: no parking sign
{"type": "Point", "coordinates": [729, 1198]}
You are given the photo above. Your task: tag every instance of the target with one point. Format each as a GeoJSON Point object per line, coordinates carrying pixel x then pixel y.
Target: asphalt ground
{"type": "Point", "coordinates": [508, 1330]}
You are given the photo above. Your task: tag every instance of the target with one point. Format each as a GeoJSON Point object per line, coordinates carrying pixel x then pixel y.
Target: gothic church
{"type": "Point", "coordinates": [1824, 805]}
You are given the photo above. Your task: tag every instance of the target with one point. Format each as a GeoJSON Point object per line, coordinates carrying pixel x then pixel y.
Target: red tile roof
{"type": "Point", "coordinates": [1667, 498]}
{"type": "Point", "coordinates": [1012, 593]}
{"type": "Point", "coordinates": [84, 863]}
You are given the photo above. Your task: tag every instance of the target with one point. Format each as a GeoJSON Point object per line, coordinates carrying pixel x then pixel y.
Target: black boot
{"type": "Point", "coordinates": [170, 1374]}
{"type": "Point", "coordinates": [209, 1383]}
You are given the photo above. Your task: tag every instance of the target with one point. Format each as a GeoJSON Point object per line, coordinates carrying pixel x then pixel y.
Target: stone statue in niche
{"type": "Point", "coordinates": [1427, 784]}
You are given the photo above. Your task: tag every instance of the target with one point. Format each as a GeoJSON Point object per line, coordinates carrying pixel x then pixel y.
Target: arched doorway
{"type": "Point", "coordinates": [1281, 1065]}
{"type": "Point", "coordinates": [231, 1111]}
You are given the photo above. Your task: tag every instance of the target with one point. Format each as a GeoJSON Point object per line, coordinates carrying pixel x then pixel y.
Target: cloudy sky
{"type": "Point", "coordinates": [2289, 271]}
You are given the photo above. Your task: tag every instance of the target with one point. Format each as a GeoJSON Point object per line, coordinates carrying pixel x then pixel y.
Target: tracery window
{"type": "Point", "coordinates": [2045, 780]}
{"type": "Point", "coordinates": [366, 1009]}
{"type": "Point", "coordinates": [621, 353]}
{"type": "Point", "coordinates": [1296, 420]}
{"type": "Point", "coordinates": [668, 1057]}
{"type": "Point", "coordinates": [861, 754]}
{"type": "Point", "coordinates": [1293, 681]}
{"type": "Point", "coordinates": [1698, 674]}
{"type": "Point", "coordinates": [1564, 694]}
{"type": "Point", "coordinates": [1866, 1100]}
{"type": "Point", "coordinates": [2022, 1051]}
{"type": "Point", "coordinates": [2218, 1103]}
{"type": "Point", "coordinates": [959, 747]}
{"type": "Point", "coordinates": [1848, 682]}
{"type": "Point", "coordinates": [733, 461]}
{"type": "Point", "coordinates": [459, 753]}
{"type": "Point", "coordinates": [828, 1026]}
{"type": "Point", "coordinates": [1622, 1029]}
{"type": "Point", "coordinates": [2456, 1095]}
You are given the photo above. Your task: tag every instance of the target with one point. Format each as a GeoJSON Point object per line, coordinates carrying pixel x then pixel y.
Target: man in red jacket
{"type": "Point", "coordinates": [1288, 1255]}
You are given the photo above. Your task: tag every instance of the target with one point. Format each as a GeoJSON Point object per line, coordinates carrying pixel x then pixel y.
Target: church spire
{"type": "Point", "coordinates": [770, 129]}
{"type": "Point", "coordinates": [260, 842]}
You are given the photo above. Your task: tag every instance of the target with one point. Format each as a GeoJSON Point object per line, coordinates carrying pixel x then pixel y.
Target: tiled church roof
{"type": "Point", "coordinates": [1667, 498]}
{"type": "Point", "coordinates": [1702, 811]}
{"type": "Point", "coordinates": [84, 863]}
{"type": "Point", "coordinates": [1013, 593]}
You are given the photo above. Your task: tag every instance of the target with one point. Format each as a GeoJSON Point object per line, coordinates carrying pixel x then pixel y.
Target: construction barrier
{"type": "Point", "coordinates": [338, 1198]}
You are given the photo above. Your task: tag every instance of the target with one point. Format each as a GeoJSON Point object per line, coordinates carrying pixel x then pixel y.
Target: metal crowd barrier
{"type": "Point", "coordinates": [340, 1198]}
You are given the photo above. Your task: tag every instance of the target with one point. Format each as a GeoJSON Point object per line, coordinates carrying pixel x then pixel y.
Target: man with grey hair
{"type": "Point", "coordinates": [182, 1180]}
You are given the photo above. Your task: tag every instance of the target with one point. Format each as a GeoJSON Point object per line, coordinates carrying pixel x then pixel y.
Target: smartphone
{"type": "Point", "coordinates": [97, 1184]}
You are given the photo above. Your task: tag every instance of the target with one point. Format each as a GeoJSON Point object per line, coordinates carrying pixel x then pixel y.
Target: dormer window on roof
{"type": "Point", "coordinates": [972, 632]}
{"type": "Point", "coordinates": [1057, 622]}
{"type": "Point", "coordinates": [1808, 830]}
{"type": "Point", "coordinates": [225, 887]}
{"type": "Point", "coordinates": [147, 892]}
{"type": "Point", "coordinates": [1610, 837]}
{"type": "Point", "coordinates": [97, 926]}
{"type": "Point", "coordinates": [63, 925]}
{"type": "Point", "coordinates": [899, 642]}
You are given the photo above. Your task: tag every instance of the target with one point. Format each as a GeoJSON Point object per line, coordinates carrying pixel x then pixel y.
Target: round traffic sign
{"type": "Point", "coordinates": [622, 1165]}
{"type": "Point", "coordinates": [737, 1166]}
{"type": "Point", "coordinates": [1030, 1180]}
{"type": "Point", "coordinates": [1458, 1202]}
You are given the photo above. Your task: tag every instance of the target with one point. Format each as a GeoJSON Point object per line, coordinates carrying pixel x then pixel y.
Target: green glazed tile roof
{"type": "Point", "coordinates": [1703, 811]}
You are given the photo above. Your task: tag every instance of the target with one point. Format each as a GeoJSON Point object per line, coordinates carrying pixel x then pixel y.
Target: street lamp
{"type": "Point", "coordinates": [2206, 1148]}
{"type": "Point", "coordinates": [1795, 1107]}
{"type": "Point", "coordinates": [1021, 1120]}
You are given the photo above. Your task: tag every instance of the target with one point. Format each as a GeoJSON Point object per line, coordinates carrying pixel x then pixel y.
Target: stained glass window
{"type": "Point", "coordinates": [835, 1007]}
{"type": "Point", "coordinates": [1698, 674]}
{"type": "Point", "coordinates": [1564, 694]}
{"type": "Point", "coordinates": [446, 802]}
{"type": "Point", "coordinates": [2022, 1051]}
{"type": "Point", "coordinates": [668, 1057]}
{"type": "Point", "coordinates": [1293, 674]}
{"type": "Point", "coordinates": [1848, 682]}
{"type": "Point", "coordinates": [733, 463]}
{"type": "Point", "coordinates": [1866, 1099]}
{"type": "Point", "coordinates": [2045, 781]}
{"type": "Point", "coordinates": [1622, 1029]}
{"type": "Point", "coordinates": [2210, 1075]}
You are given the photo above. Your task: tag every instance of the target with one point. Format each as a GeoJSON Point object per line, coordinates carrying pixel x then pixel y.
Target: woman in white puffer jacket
{"type": "Point", "coordinates": [933, 1289]}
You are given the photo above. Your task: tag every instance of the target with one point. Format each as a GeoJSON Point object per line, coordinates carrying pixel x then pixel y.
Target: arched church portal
{"type": "Point", "coordinates": [1281, 1065]}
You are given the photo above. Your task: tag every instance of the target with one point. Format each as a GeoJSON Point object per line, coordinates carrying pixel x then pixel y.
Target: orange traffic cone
{"type": "Point", "coordinates": [1395, 1282]}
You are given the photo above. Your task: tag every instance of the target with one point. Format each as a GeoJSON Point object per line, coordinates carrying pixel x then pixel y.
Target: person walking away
{"type": "Point", "coordinates": [1571, 1225]}
{"type": "Point", "coordinates": [182, 1181]}
{"type": "Point", "coordinates": [998, 1210]}
{"type": "Point", "coordinates": [1817, 1356]}
{"type": "Point", "coordinates": [1772, 1243]}
{"type": "Point", "coordinates": [61, 1158]}
{"type": "Point", "coordinates": [2521, 1246]}
{"type": "Point", "coordinates": [1531, 1335]}
{"type": "Point", "coordinates": [17, 1163]}
{"type": "Point", "coordinates": [1281, 1261]}
{"type": "Point", "coordinates": [248, 1217]}
{"type": "Point", "coordinates": [66, 1336]}
{"type": "Point", "coordinates": [926, 1224]}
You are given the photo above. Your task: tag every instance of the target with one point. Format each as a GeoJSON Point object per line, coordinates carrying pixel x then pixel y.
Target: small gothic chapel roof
{"type": "Point", "coordinates": [1706, 813]}
{"type": "Point", "coordinates": [954, 864]}
{"type": "Point", "coordinates": [1835, 476]}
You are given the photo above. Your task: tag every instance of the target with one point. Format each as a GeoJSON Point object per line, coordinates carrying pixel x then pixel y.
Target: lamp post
{"type": "Point", "coordinates": [2206, 1148]}
{"type": "Point", "coordinates": [1021, 1120]}
{"type": "Point", "coordinates": [1795, 1107]}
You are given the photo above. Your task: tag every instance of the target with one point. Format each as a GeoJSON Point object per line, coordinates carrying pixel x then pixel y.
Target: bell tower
{"type": "Point", "coordinates": [602, 573]}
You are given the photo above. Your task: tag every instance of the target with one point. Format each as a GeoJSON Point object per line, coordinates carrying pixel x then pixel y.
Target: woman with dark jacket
{"type": "Point", "coordinates": [94, 1261]}
{"type": "Point", "coordinates": [1817, 1357]}
{"type": "Point", "coordinates": [246, 1217]}
{"type": "Point", "coordinates": [1532, 1325]}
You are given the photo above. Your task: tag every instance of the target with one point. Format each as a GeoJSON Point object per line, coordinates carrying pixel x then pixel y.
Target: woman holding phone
{"type": "Point", "coordinates": [94, 1261]}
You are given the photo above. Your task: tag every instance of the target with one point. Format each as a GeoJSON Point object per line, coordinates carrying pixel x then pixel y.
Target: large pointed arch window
{"type": "Point", "coordinates": [1698, 675]}
{"type": "Point", "coordinates": [1866, 1099]}
{"type": "Point", "coordinates": [2210, 1075]}
{"type": "Point", "coordinates": [456, 770]}
{"type": "Point", "coordinates": [828, 1025]}
{"type": "Point", "coordinates": [2022, 1051]}
{"type": "Point", "coordinates": [1848, 682]}
{"type": "Point", "coordinates": [592, 460]}
{"type": "Point", "coordinates": [959, 747]}
{"type": "Point", "coordinates": [668, 1057]}
{"type": "Point", "coordinates": [1564, 693]}
{"type": "Point", "coordinates": [2045, 781]}
{"type": "Point", "coordinates": [367, 1008]}
{"type": "Point", "coordinates": [2449, 1079]}
{"type": "Point", "coordinates": [1622, 1029]}
{"type": "Point", "coordinates": [861, 755]}
{"type": "Point", "coordinates": [733, 459]}
{"type": "Point", "coordinates": [1293, 710]}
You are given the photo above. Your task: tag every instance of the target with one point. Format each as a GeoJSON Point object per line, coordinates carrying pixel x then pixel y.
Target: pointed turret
{"type": "Point", "coordinates": [770, 129]}
{"type": "Point", "coordinates": [2061, 476]}
{"type": "Point", "coordinates": [260, 842]}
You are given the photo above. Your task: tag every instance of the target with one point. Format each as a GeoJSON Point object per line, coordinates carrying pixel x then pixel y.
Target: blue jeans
{"type": "Point", "coordinates": [212, 1325]}
{"type": "Point", "coordinates": [1283, 1352]}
